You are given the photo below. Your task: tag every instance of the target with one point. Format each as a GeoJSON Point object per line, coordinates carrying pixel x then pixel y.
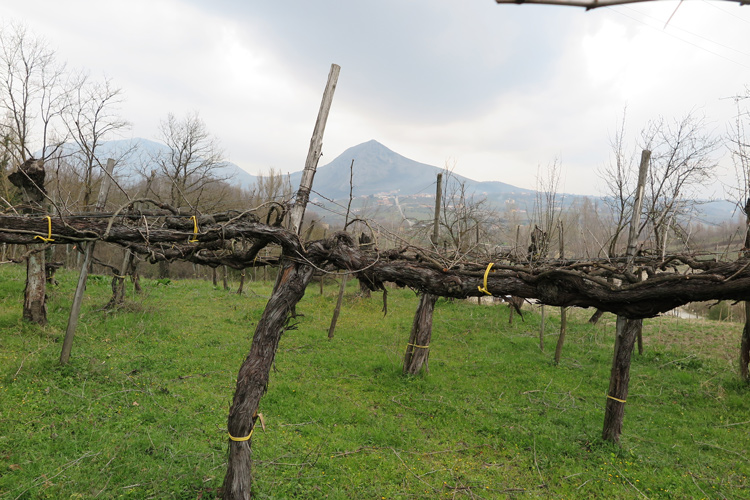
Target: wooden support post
{"type": "Point", "coordinates": [627, 330]}
{"type": "Point", "coordinates": [541, 329]}
{"type": "Point", "coordinates": [337, 310]}
{"type": "Point", "coordinates": [75, 309]}
{"type": "Point", "coordinates": [563, 310]}
{"type": "Point", "coordinates": [314, 153]}
{"type": "Point", "coordinates": [418, 349]}
{"type": "Point", "coordinates": [438, 201]}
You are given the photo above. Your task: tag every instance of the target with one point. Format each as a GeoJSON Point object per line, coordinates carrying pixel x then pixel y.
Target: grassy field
{"type": "Point", "coordinates": [140, 412]}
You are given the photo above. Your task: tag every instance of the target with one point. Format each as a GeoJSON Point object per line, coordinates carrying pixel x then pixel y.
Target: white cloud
{"type": "Point", "coordinates": [499, 88]}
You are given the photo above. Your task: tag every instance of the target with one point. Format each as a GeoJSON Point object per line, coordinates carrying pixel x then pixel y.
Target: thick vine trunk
{"type": "Point", "coordinates": [29, 178]}
{"type": "Point", "coordinates": [594, 319]}
{"type": "Point", "coordinates": [745, 346]}
{"type": "Point", "coordinates": [164, 272]}
{"type": "Point", "coordinates": [252, 380]}
{"type": "Point", "coordinates": [418, 349]}
{"type": "Point", "coordinates": [34, 296]}
{"type": "Point", "coordinates": [241, 287]}
{"type": "Point", "coordinates": [614, 412]}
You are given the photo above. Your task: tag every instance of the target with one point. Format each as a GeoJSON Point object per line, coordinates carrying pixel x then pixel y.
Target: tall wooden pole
{"type": "Point", "coordinates": [75, 309]}
{"type": "Point", "coordinates": [563, 310]}
{"type": "Point", "coordinates": [438, 202]}
{"type": "Point", "coordinates": [314, 153]}
{"type": "Point", "coordinates": [627, 329]}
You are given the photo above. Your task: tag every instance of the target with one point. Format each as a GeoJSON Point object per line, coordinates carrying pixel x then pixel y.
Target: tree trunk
{"type": "Point", "coordinates": [253, 377]}
{"type": "Point", "coordinates": [164, 269]}
{"type": "Point", "coordinates": [214, 277]}
{"type": "Point", "coordinates": [614, 412]}
{"type": "Point", "coordinates": [745, 346]}
{"type": "Point", "coordinates": [418, 349]}
{"type": "Point", "coordinates": [242, 283]}
{"type": "Point", "coordinates": [337, 309]}
{"type": "Point", "coordinates": [745, 342]}
{"type": "Point", "coordinates": [29, 178]}
{"type": "Point", "coordinates": [224, 279]}
{"type": "Point", "coordinates": [594, 319]}
{"type": "Point", "coordinates": [364, 290]}
{"type": "Point", "coordinates": [34, 295]}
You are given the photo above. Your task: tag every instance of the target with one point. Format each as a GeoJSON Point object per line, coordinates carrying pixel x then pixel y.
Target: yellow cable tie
{"type": "Point", "coordinates": [241, 439]}
{"type": "Point", "coordinates": [195, 231]}
{"type": "Point", "coordinates": [49, 231]}
{"type": "Point", "coordinates": [118, 276]}
{"type": "Point", "coordinates": [420, 346]}
{"type": "Point", "coordinates": [618, 400]}
{"type": "Point", "coordinates": [486, 273]}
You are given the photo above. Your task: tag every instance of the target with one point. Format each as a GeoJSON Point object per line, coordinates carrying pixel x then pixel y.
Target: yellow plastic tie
{"type": "Point", "coordinates": [618, 400]}
{"type": "Point", "coordinates": [49, 231]}
{"type": "Point", "coordinates": [486, 273]}
{"type": "Point", "coordinates": [195, 235]}
{"type": "Point", "coordinates": [241, 439]}
{"type": "Point", "coordinates": [420, 346]}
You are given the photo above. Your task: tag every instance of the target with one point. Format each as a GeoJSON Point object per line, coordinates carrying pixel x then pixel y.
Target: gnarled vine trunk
{"type": "Point", "coordinates": [418, 349]}
{"type": "Point", "coordinates": [614, 412]}
{"type": "Point", "coordinates": [253, 377]}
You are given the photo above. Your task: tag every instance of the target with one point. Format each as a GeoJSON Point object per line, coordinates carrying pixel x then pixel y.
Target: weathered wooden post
{"type": "Point", "coordinates": [438, 201]}
{"type": "Point", "coordinates": [75, 309]}
{"type": "Point", "coordinates": [627, 329]}
{"type": "Point", "coordinates": [314, 153]}
{"type": "Point", "coordinates": [291, 281]}
{"type": "Point", "coordinates": [542, 324]}
{"type": "Point", "coordinates": [563, 310]}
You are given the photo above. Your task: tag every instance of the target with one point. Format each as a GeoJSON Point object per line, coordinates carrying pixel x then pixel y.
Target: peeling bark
{"type": "Point", "coordinates": [253, 377]}
{"type": "Point", "coordinates": [418, 349]}
{"type": "Point", "coordinates": [614, 412]}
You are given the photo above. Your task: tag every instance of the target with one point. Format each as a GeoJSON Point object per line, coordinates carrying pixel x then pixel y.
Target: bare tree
{"type": "Point", "coordinates": [192, 162]}
{"type": "Point", "coordinates": [619, 187]}
{"type": "Point", "coordinates": [465, 219]}
{"type": "Point", "coordinates": [682, 163]}
{"type": "Point", "coordinates": [547, 211]}
{"type": "Point", "coordinates": [31, 91]}
{"type": "Point", "coordinates": [91, 117]}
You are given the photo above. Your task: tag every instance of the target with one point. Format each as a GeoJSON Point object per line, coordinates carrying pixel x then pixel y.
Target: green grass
{"type": "Point", "coordinates": [140, 411]}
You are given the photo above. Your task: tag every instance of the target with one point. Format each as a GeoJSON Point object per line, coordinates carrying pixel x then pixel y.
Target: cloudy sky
{"type": "Point", "coordinates": [501, 90]}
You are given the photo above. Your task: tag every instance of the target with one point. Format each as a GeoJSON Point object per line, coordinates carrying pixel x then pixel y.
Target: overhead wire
{"type": "Point", "coordinates": [618, 11]}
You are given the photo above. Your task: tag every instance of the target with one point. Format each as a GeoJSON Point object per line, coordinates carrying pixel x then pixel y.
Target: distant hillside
{"type": "Point", "coordinates": [380, 171]}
